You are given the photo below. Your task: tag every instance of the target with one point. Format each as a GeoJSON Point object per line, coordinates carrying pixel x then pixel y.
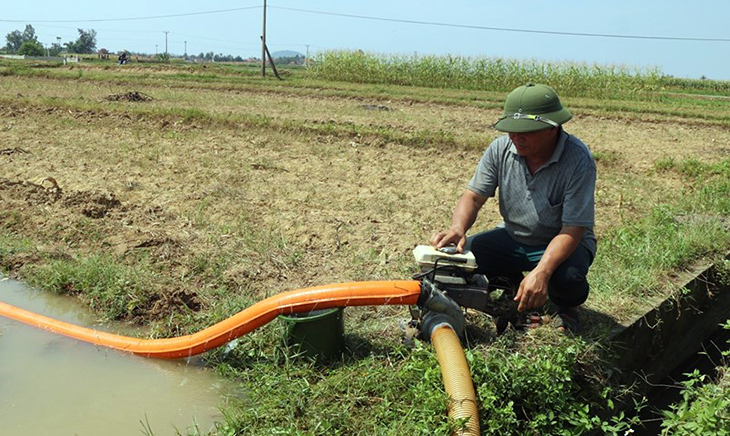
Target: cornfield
{"type": "Point", "coordinates": [496, 74]}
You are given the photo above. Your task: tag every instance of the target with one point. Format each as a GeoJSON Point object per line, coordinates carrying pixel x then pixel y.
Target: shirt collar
{"type": "Point", "coordinates": [559, 148]}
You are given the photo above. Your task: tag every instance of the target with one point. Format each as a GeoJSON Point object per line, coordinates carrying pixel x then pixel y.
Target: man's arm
{"type": "Point", "coordinates": [533, 290]}
{"type": "Point", "coordinates": [463, 218]}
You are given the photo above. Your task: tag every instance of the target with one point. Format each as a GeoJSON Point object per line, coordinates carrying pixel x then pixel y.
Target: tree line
{"type": "Point", "coordinates": [26, 43]}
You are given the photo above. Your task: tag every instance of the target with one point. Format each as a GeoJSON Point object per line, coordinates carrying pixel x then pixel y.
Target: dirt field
{"type": "Point", "coordinates": [260, 189]}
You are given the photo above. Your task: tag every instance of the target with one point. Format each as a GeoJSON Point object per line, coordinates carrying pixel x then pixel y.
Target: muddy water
{"type": "Point", "coordinates": [53, 385]}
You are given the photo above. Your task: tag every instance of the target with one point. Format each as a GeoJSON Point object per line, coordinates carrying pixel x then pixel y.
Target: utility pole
{"type": "Point", "coordinates": [306, 59]}
{"type": "Point", "coordinates": [263, 45]}
{"type": "Point", "coordinates": [186, 49]}
{"type": "Point", "coordinates": [166, 32]}
{"type": "Point", "coordinates": [156, 49]}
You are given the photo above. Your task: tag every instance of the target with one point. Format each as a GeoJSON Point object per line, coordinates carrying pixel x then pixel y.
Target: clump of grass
{"type": "Point", "coordinates": [606, 157]}
{"type": "Point", "coordinates": [115, 289]}
{"type": "Point", "coordinates": [536, 384]}
{"type": "Point", "coordinates": [692, 168]}
{"type": "Point", "coordinates": [705, 405]}
{"type": "Point", "coordinates": [665, 164]}
{"type": "Point", "coordinates": [11, 245]}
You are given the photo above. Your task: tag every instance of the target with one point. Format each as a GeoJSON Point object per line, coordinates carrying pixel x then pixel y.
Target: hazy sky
{"type": "Point", "coordinates": [237, 32]}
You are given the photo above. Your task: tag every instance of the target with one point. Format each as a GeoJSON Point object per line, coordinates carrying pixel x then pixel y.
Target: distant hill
{"type": "Point", "coordinates": [285, 54]}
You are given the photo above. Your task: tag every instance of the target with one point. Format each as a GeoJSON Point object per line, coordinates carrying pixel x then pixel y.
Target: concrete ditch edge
{"type": "Point", "coordinates": [655, 344]}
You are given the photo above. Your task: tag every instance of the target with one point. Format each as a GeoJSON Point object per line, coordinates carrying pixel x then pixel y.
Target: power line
{"type": "Point", "coordinates": [506, 29]}
{"type": "Point", "coordinates": [427, 23]}
{"type": "Point", "coordinates": [132, 18]}
{"type": "Point", "coordinates": [393, 20]}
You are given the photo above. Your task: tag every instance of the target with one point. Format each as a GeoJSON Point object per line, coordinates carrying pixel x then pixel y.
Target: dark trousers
{"type": "Point", "coordinates": [500, 256]}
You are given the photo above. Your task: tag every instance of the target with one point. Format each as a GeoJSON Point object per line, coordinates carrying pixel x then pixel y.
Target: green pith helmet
{"type": "Point", "coordinates": [530, 108]}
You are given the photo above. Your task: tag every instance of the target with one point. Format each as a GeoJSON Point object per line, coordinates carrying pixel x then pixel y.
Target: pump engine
{"type": "Point", "coordinates": [454, 275]}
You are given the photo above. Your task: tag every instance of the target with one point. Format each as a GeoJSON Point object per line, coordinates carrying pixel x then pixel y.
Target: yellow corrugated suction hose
{"type": "Point", "coordinates": [457, 378]}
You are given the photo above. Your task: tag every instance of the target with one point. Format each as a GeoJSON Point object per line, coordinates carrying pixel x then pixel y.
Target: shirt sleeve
{"type": "Point", "coordinates": [579, 200]}
{"type": "Point", "coordinates": [486, 176]}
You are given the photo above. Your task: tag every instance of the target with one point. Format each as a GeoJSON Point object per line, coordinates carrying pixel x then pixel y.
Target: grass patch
{"type": "Point", "coordinates": [359, 396]}
{"type": "Point", "coordinates": [545, 383]}
{"type": "Point", "coordinates": [119, 291]}
{"type": "Point", "coordinates": [705, 405]}
{"type": "Point", "coordinates": [695, 226]}
{"type": "Point", "coordinates": [606, 157]}
{"type": "Point", "coordinates": [10, 246]}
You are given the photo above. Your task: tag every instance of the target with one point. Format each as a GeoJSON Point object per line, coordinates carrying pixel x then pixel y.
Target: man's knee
{"type": "Point", "coordinates": [569, 286]}
{"type": "Point", "coordinates": [496, 253]}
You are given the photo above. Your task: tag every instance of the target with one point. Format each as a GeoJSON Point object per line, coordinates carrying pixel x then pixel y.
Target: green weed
{"type": "Point", "coordinates": [525, 385]}
{"type": "Point", "coordinates": [112, 288]}
{"type": "Point", "coordinates": [705, 405]}
{"type": "Point", "coordinates": [670, 237]}
{"type": "Point", "coordinates": [543, 384]}
{"type": "Point", "coordinates": [10, 246]}
{"type": "Point", "coordinates": [665, 164]}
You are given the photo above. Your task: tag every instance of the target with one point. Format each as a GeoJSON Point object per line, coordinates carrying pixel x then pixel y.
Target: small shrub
{"type": "Point", "coordinates": [543, 384]}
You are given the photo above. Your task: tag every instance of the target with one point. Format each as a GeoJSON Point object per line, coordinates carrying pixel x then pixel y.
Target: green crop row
{"type": "Point", "coordinates": [498, 74]}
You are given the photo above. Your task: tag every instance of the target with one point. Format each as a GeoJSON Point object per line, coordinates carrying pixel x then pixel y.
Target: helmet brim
{"type": "Point", "coordinates": [513, 125]}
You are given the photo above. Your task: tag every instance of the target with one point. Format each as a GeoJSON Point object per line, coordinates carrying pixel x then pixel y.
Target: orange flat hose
{"type": "Point", "coordinates": [399, 292]}
{"type": "Point", "coordinates": [457, 378]}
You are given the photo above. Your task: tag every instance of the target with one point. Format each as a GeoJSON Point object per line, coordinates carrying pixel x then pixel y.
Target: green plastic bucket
{"type": "Point", "coordinates": [320, 333]}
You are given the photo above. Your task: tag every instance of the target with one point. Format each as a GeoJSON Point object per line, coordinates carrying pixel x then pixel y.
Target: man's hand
{"type": "Point", "coordinates": [464, 216]}
{"type": "Point", "coordinates": [451, 236]}
{"type": "Point", "coordinates": [533, 291]}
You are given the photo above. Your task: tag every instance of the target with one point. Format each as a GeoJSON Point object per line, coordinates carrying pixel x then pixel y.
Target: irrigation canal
{"type": "Point", "coordinates": [50, 384]}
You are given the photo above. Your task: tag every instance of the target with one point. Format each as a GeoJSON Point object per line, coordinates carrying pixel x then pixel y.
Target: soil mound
{"type": "Point", "coordinates": [129, 96]}
{"type": "Point", "coordinates": [164, 304]}
{"type": "Point", "coordinates": [93, 204]}
{"type": "Point", "coordinates": [33, 193]}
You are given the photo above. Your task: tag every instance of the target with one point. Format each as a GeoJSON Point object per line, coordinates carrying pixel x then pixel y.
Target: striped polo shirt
{"type": "Point", "coordinates": [536, 206]}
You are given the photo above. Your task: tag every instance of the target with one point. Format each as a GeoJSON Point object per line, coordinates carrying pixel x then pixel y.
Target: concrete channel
{"type": "Point", "coordinates": [656, 349]}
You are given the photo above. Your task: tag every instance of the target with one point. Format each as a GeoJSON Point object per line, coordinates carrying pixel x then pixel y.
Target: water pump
{"type": "Point", "coordinates": [454, 276]}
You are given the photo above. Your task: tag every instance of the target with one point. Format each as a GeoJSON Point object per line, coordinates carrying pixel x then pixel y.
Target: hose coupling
{"type": "Point", "coordinates": [439, 309]}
